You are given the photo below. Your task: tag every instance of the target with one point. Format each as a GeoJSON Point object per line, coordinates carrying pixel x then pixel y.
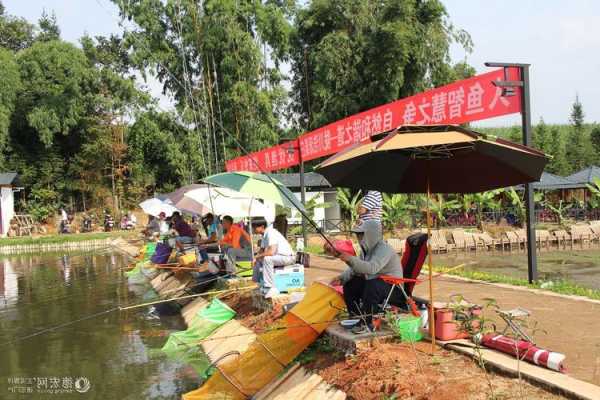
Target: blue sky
{"type": "Point", "coordinates": [561, 39]}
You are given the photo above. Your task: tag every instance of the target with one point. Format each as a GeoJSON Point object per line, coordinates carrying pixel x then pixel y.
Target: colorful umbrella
{"type": "Point", "coordinates": [439, 159]}
{"type": "Point", "coordinates": [155, 206]}
{"type": "Point", "coordinates": [258, 186]}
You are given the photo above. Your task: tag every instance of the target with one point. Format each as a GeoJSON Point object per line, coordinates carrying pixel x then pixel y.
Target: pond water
{"type": "Point", "coordinates": [117, 353]}
{"type": "Point", "coordinates": [578, 266]}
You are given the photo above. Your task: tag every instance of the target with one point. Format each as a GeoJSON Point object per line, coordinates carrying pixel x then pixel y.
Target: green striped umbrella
{"type": "Point", "coordinates": [257, 185]}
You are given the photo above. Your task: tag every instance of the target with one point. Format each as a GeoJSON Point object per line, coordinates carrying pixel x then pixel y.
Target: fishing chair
{"type": "Point", "coordinates": [415, 252]}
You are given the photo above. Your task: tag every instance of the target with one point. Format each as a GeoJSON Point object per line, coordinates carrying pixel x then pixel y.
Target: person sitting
{"type": "Point", "coordinates": [363, 291]}
{"type": "Point", "coordinates": [236, 244]}
{"type": "Point", "coordinates": [275, 251]}
{"type": "Point", "coordinates": [163, 224]}
{"type": "Point", "coordinates": [213, 230]}
{"type": "Point", "coordinates": [153, 226]}
{"type": "Point", "coordinates": [185, 234]}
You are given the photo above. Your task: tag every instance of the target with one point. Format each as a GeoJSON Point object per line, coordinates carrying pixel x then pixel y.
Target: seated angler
{"type": "Point", "coordinates": [236, 244]}
{"type": "Point", "coordinates": [275, 251]}
{"type": "Point", "coordinates": [185, 234]}
{"type": "Point", "coordinates": [364, 292]}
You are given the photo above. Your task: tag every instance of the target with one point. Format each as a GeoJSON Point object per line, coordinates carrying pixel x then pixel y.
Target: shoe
{"type": "Point", "coordinates": [271, 292]}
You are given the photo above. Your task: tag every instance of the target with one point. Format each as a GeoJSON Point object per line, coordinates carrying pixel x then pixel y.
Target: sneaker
{"type": "Point", "coordinates": [271, 292]}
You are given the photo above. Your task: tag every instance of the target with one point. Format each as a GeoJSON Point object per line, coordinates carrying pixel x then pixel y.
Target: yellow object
{"type": "Point", "coordinates": [268, 355]}
{"type": "Point", "coordinates": [187, 260]}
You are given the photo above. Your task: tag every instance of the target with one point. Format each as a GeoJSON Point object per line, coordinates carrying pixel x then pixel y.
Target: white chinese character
{"type": "Point", "coordinates": [356, 131]}
{"type": "Point", "coordinates": [456, 98]}
{"type": "Point", "coordinates": [410, 113]}
{"type": "Point", "coordinates": [42, 382]}
{"type": "Point", "coordinates": [281, 156]}
{"type": "Point", "coordinates": [425, 117]}
{"type": "Point", "coordinates": [498, 96]}
{"type": "Point", "coordinates": [67, 382]}
{"type": "Point", "coordinates": [274, 159]}
{"type": "Point", "coordinates": [54, 382]}
{"type": "Point", "coordinates": [340, 136]}
{"type": "Point", "coordinates": [376, 124]}
{"type": "Point", "coordinates": [267, 160]}
{"type": "Point", "coordinates": [474, 99]}
{"type": "Point", "coordinates": [366, 128]}
{"type": "Point", "coordinates": [387, 120]}
{"type": "Point", "coordinates": [348, 137]}
{"type": "Point", "coordinates": [327, 140]}
{"type": "Point", "coordinates": [438, 107]}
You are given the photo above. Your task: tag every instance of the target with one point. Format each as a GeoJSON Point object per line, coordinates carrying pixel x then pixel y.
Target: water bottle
{"type": "Point", "coordinates": [424, 316]}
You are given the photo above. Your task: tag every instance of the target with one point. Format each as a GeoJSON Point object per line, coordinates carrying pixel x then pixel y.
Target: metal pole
{"type": "Point", "coordinates": [529, 200]}
{"type": "Point", "coordinates": [303, 198]}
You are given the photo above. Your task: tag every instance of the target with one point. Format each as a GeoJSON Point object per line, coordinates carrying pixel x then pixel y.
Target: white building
{"type": "Point", "coordinates": [318, 188]}
{"type": "Point", "coordinates": [8, 181]}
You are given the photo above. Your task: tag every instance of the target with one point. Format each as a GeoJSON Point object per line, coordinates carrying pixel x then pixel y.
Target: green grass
{"type": "Point", "coordinates": [314, 249]}
{"type": "Point", "coordinates": [557, 286]}
{"type": "Point", "coordinates": [67, 238]}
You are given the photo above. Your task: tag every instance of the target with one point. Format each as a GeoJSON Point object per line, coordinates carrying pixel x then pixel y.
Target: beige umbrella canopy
{"type": "Point", "coordinates": [434, 159]}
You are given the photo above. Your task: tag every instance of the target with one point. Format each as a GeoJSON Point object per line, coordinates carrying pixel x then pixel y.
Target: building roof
{"type": "Point", "coordinates": [9, 178]}
{"type": "Point", "coordinates": [550, 181]}
{"type": "Point", "coordinates": [312, 180]}
{"type": "Point", "coordinates": [586, 175]}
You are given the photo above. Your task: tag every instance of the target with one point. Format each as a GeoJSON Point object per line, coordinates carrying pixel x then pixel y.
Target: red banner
{"type": "Point", "coordinates": [464, 101]}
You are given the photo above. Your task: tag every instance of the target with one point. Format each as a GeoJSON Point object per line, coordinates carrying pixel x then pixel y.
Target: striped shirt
{"type": "Point", "coordinates": [373, 203]}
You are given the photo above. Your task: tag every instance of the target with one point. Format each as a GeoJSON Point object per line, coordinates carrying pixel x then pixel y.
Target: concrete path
{"type": "Point", "coordinates": [571, 325]}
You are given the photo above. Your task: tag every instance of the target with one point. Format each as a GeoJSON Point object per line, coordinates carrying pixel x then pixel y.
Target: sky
{"type": "Point", "coordinates": [560, 39]}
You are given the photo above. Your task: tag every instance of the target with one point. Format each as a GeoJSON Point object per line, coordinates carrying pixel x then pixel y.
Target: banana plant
{"type": "Point", "coordinates": [594, 189]}
{"type": "Point", "coordinates": [396, 210]}
{"type": "Point", "coordinates": [349, 205]}
{"type": "Point", "coordinates": [517, 201]}
{"type": "Point", "coordinates": [439, 205]}
{"type": "Point", "coordinates": [560, 211]}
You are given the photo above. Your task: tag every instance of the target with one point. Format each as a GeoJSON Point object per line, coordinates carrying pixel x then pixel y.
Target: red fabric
{"type": "Point", "coordinates": [520, 348]}
{"type": "Point", "coordinates": [471, 99]}
{"type": "Point", "coordinates": [344, 246]}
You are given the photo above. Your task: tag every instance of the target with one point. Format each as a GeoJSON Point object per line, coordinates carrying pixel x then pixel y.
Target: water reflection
{"type": "Point", "coordinates": [117, 352]}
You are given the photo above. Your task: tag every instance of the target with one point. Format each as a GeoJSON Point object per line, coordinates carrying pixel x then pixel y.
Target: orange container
{"type": "Point", "coordinates": [448, 328]}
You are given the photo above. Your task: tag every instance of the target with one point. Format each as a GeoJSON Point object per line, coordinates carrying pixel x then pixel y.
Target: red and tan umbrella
{"type": "Point", "coordinates": [434, 159]}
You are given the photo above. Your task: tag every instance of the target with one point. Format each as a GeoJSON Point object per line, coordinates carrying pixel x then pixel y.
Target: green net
{"type": "Point", "coordinates": [184, 346]}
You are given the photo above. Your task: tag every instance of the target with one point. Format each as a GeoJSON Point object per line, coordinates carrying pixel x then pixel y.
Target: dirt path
{"type": "Point", "coordinates": [572, 326]}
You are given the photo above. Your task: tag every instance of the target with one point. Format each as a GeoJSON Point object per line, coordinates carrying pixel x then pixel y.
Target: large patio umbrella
{"type": "Point", "coordinates": [257, 185]}
{"type": "Point", "coordinates": [223, 201]}
{"type": "Point", "coordinates": [154, 207]}
{"type": "Point", "coordinates": [434, 159]}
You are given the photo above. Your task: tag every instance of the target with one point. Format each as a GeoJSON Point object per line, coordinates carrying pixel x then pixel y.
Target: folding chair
{"type": "Point", "coordinates": [412, 261]}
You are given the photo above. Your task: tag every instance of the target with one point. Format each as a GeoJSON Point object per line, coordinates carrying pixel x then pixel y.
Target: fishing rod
{"type": "Point", "coordinates": [214, 292]}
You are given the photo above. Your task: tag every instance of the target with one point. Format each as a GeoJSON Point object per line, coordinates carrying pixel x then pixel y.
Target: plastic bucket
{"type": "Point", "coordinates": [409, 329]}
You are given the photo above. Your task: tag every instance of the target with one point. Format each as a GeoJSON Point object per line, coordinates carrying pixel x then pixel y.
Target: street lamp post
{"type": "Point", "coordinates": [508, 90]}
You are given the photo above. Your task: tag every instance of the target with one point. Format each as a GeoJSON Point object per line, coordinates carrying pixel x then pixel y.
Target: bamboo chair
{"type": "Point", "coordinates": [488, 242]}
{"type": "Point", "coordinates": [512, 239]}
{"type": "Point", "coordinates": [543, 237]}
{"type": "Point", "coordinates": [461, 241]}
{"type": "Point", "coordinates": [441, 243]}
{"type": "Point", "coordinates": [564, 237]}
{"type": "Point", "coordinates": [582, 233]}
{"type": "Point", "coordinates": [397, 244]}
{"type": "Point", "coordinates": [595, 228]}
{"type": "Point", "coordinates": [522, 236]}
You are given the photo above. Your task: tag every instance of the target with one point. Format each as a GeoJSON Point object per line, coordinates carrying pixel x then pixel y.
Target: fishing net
{"type": "Point", "coordinates": [269, 354]}
{"type": "Point", "coordinates": [184, 346]}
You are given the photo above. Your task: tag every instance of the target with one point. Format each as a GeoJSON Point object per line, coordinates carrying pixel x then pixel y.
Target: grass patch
{"type": "Point", "coordinates": [556, 286]}
{"type": "Point", "coordinates": [66, 238]}
{"type": "Point", "coordinates": [314, 249]}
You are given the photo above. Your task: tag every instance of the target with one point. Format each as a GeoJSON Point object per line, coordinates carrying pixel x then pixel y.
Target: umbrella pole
{"type": "Point", "coordinates": [430, 262]}
{"type": "Point", "coordinates": [250, 230]}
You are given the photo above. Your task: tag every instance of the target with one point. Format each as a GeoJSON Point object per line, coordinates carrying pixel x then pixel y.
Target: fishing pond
{"type": "Point", "coordinates": [107, 354]}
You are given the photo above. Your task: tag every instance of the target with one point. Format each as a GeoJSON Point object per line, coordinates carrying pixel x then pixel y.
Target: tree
{"type": "Point", "coordinates": [515, 135]}
{"type": "Point", "coordinates": [220, 61]}
{"type": "Point", "coordinates": [49, 29]}
{"type": "Point", "coordinates": [15, 33]}
{"type": "Point", "coordinates": [576, 145]}
{"type": "Point", "coordinates": [396, 210]}
{"type": "Point", "coordinates": [540, 136]}
{"type": "Point", "coordinates": [10, 84]}
{"type": "Point", "coordinates": [439, 205]}
{"type": "Point", "coordinates": [594, 189]}
{"type": "Point", "coordinates": [348, 56]}
{"type": "Point", "coordinates": [349, 205]}
{"type": "Point", "coordinates": [556, 147]}
{"type": "Point", "coordinates": [595, 139]}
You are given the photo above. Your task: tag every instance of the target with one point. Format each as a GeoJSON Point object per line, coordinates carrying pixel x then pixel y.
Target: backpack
{"type": "Point", "coordinates": [161, 254]}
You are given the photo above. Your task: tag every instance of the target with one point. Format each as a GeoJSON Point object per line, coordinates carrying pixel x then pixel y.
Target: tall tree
{"type": "Point", "coordinates": [351, 55]}
{"type": "Point", "coordinates": [576, 145]}
{"type": "Point", "coordinates": [556, 147]}
{"type": "Point", "coordinates": [595, 139]}
{"type": "Point", "coordinates": [10, 84]}
{"type": "Point", "coordinates": [219, 59]}
{"type": "Point", "coordinates": [540, 135]}
{"type": "Point", "coordinates": [49, 29]}
{"type": "Point", "coordinates": [15, 33]}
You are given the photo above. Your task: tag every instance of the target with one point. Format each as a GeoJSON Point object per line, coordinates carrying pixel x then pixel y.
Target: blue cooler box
{"type": "Point", "coordinates": [289, 278]}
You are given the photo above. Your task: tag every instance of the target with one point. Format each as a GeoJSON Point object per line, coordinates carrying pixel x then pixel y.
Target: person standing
{"type": "Point", "coordinates": [275, 251]}
{"type": "Point", "coordinates": [371, 206]}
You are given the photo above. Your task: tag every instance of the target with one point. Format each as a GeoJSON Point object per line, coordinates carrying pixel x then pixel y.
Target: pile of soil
{"type": "Point", "coordinates": [396, 370]}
